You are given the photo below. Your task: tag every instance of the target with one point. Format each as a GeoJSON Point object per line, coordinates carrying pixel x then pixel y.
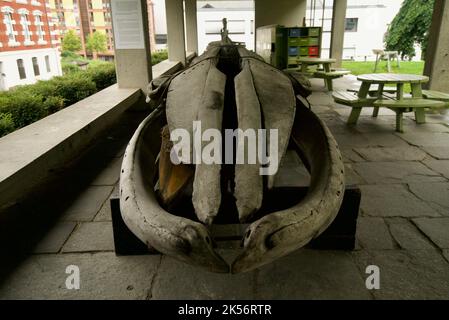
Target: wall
{"type": "Point", "coordinates": [11, 74]}
{"type": "Point", "coordinates": [240, 23]}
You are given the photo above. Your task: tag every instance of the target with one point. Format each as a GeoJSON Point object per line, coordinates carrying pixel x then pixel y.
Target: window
{"type": "Point", "coordinates": [47, 63]}
{"type": "Point", "coordinates": [40, 33]}
{"type": "Point", "coordinates": [26, 29]}
{"type": "Point", "coordinates": [351, 24]}
{"type": "Point", "coordinates": [35, 66]}
{"type": "Point", "coordinates": [21, 69]}
{"type": "Point", "coordinates": [9, 27]}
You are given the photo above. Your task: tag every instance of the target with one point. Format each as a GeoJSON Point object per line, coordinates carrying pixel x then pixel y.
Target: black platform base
{"type": "Point", "coordinates": [339, 236]}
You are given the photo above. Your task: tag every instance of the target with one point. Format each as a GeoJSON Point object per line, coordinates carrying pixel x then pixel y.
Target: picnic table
{"type": "Point", "coordinates": [398, 103]}
{"type": "Point", "coordinates": [386, 55]}
{"type": "Point", "coordinates": [326, 73]}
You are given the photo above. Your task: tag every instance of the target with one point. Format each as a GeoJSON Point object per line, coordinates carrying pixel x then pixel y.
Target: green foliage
{"type": "Point", "coordinates": [69, 68]}
{"type": "Point", "coordinates": [74, 87]}
{"type": "Point", "coordinates": [158, 56]}
{"type": "Point", "coordinates": [71, 42]}
{"type": "Point", "coordinates": [23, 108]}
{"type": "Point", "coordinates": [96, 42]}
{"type": "Point", "coordinates": [103, 74]}
{"type": "Point", "coordinates": [6, 124]}
{"type": "Point", "coordinates": [26, 104]}
{"type": "Point", "coordinates": [410, 26]}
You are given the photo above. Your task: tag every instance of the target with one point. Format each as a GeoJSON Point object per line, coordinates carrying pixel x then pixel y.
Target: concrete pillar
{"type": "Point", "coordinates": [338, 31]}
{"type": "Point", "coordinates": [437, 55]}
{"type": "Point", "coordinates": [289, 13]}
{"type": "Point", "coordinates": [191, 26]}
{"type": "Point", "coordinates": [131, 43]}
{"type": "Point", "coordinates": [174, 11]}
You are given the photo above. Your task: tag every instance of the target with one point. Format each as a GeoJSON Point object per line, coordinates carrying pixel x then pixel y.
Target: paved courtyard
{"type": "Point", "coordinates": [403, 227]}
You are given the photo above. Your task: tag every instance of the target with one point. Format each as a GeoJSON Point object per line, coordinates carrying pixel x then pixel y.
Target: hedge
{"type": "Point", "coordinates": [24, 105]}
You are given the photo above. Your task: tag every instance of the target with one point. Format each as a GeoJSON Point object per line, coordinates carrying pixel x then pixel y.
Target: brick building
{"type": "Point", "coordinates": [27, 43]}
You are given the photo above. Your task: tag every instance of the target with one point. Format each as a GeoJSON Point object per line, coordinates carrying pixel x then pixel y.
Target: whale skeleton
{"type": "Point", "coordinates": [229, 86]}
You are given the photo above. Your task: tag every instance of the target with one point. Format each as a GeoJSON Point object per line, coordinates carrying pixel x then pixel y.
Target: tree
{"type": "Point", "coordinates": [410, 27]}
{"type": "Point", "coordinates": [71, 42]}
{"type": "Point", "coordinates": [96, 42]}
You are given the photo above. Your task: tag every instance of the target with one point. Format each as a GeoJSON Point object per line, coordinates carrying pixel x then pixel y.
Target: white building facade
{"type": "Point", "coordinates": [28, 66]}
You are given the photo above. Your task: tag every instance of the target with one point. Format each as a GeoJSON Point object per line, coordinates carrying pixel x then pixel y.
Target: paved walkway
{"type": "Point", "coordinates": [403, 229]}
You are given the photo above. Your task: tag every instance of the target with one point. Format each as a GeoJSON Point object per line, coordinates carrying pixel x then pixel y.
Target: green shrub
{"type": "Point", "coordinates": [159, 56]}
{"type": "Point", "coordinates": [23, 107]}
{"type": "Point", "coordinates": [53, 104]}
{"type": "Point", "coordinates": [74, 87]}
{"type": "Point", "coordinates": [103, 74]}
{"type": "Point", "coordinates": [68, 67]}
{"type": "Point", "coordinates": [6, 124]}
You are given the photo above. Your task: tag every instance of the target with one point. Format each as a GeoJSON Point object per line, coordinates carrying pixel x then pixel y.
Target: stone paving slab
{"type": "Point", "coordinates": [351, 176]}
{"type": "Point", "coordinates": [435, 194]}
{"type": "Point", "coordinates": [102, 276]}
{"type": "Point", "coordinates": [384, 172]}
{"type": "Point", "coordinates": [110, 175]}
{"type": "Point", "coordinates": [411, 274]}
{"type": "Point", "coordinates": [311, 274]}
{"type": "Point", "coordinates": [426, 139]}
{"type": "Point", "coordinates": [369, 140]}
{"type": "Point", "coordinates": [350, 155]}
{"type": "Point", "coordinates": [373, 233]}
{"type": "Point", "coordinates": [87, 204]}
{"type": "Point", "coordinates": [405, 153]}
{"type": "Point", "coordinates": [55, 238]}
{"type": "Point", "coordinates": [440, 153]}
{"type": "Point", "coordinates": [91, 236]}
{"type": "Point", "coordinates": [412, 126]}
{"type": "Point", "coordinates": [437, 229]}
{"type": "Point", "coordinates": [105, 211]}
{"type": "Point", "coordinates": [407, 235]}
{"type": "Point", "coordinates": [393, 200]}
{"type": "Point", "coordinates": [446, 254]}
{"type": "Point", "coordinates": [177, 280]}
{"type": "Point", "coordinates": [440, 166]}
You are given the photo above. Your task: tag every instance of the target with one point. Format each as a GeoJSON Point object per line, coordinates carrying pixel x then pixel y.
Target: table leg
{"type": "Point", "coordinates": [420, 114]}
{"type": "Point", "coordinates": [354, 116]}
{"type": "Point", "coordinates": [379, 95]}
{"type": "Point", "coordinates": [397, 58]}
{"type": "Point", "coordinates": [399, 121]}
{"type": "Point", "coordinates": [389, 63]}
{"type": "Point", "coordinates": [377, 61]}
{"type": "Point", "coordinates": [364, 89]}
{"type": "Point", "coordinates": [400, 91]}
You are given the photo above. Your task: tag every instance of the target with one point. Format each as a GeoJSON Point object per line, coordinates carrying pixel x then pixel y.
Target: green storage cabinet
{"type": "Point", "coordinates": [303, 42]}
{"type": "Point", "coordinates": [313, 42]}
{"type": "Point", "coordinates": [282, 46]}
{"type": "Point", "coordinates": [314, 32]}
{"type": "Point", "coordinates": [303, 51]}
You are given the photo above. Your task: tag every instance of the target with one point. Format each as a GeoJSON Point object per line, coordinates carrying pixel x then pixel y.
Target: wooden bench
{"type": "Point", "coordinates": [436, 95]}
{"type": "Point", "coordinates": [352, 100]}
{"type": "Point", "coordinates": [331, 75]}
{"type": "Point", "coordinates": [407, 105]}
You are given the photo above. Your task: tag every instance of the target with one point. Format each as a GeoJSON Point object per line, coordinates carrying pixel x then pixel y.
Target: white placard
{"type": "Point", "coordinates": [127, 24]}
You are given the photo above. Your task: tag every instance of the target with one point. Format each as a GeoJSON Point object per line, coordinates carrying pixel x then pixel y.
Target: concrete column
{"type": "Point", "coordinates": [132, 46]}
{"type": "Point", "coordinates": [191, 26]}
{"type": "Point", "coordinates": [289, 13]}
{"type": "Point", "coordinates": [174, 11]}
{"type": "Point", "coordinates": [437, 55]}
{"type": "Point", "coordinates": [338, 31]}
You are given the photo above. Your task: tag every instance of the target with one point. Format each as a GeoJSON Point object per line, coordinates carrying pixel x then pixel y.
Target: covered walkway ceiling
{"type": "Point", "coordinates": [133, 58]}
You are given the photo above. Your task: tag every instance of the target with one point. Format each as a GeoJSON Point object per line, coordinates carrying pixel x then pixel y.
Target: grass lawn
{"type": "Point", "coordinates": [362, 67]}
